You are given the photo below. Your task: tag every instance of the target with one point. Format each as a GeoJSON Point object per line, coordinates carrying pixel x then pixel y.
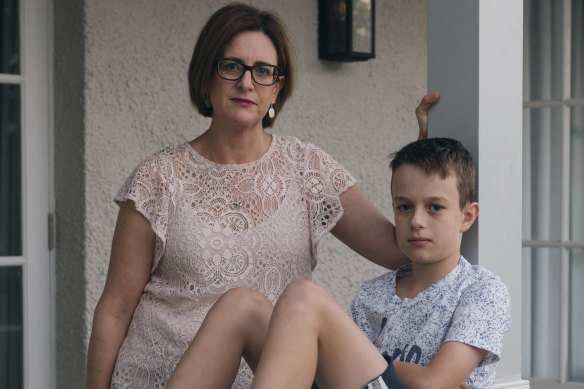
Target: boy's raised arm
{"type": "Point", "coordinates": [448, 369]}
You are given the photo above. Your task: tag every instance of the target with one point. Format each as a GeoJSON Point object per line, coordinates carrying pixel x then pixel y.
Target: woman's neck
{"type": "Point", "coordinates": [232, 147]}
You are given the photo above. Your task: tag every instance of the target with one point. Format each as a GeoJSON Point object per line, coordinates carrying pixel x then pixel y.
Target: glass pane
{"type": "Point", "coordinates": [576, 337]}
{"type": "Point", "coordinates": [337, 27]}
{"type": "Point", "coordinates": [545, 49]}
{"type": "Point", "coordinates": [10, 174]}
{"type": "Point", "coordinates": [526, 312]}
{"type": "Point", "coordinates": [577, 174]}
{"type": "Point", "coordinates": [9, 37]}
{"type": "Point", "coordinates": [11, 358]}
{"type": "Point", "coordinates": [362, 22]}
{"type": "Point", "coordinates": [544, 170]}
{"type": "Point", "coordinates": [545, 312]}
{"type": "Point", "coordinates": [577, 49]}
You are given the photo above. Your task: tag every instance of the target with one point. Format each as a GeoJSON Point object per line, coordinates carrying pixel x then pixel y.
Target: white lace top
{"type": "Point", "coordinates": [218, 227]}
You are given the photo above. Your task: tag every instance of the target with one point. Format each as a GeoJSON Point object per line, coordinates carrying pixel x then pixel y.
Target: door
{"type": "Point", "coordinates": [25, 171]}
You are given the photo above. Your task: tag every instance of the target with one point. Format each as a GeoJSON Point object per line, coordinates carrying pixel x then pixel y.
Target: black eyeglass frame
{"type": "Point", "coordinates": [278, 69]}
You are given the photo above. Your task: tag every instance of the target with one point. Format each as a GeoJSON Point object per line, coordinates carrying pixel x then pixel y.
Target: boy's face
{"type": "Point", "coordinates": [428, 219]}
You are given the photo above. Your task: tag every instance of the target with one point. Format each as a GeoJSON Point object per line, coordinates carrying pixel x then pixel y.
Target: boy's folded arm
{"type": "Point", "coordinates": [451, 365]}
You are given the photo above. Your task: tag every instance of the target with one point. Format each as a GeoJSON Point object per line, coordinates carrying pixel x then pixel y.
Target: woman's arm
{"type": "Point", "coordinates": [364, 229]}
{"type": "Point", "coordinates": [451, 365]}
{"type": "Point", "coordinates": [129, 270]}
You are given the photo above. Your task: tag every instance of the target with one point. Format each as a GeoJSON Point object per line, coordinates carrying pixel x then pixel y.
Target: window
{"type": "Point", "coordinates": [25, 171]}
{"type": "Point", "coordinates": [553, 193]}
{"type": "Point", "coordinates": [11, 312]}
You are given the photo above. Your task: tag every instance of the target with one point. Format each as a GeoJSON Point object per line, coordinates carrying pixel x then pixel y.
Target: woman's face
{"type": "Point", "coordinates": [244, 103]}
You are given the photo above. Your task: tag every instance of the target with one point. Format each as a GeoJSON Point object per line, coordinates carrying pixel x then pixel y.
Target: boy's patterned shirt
{"type": "Point", "coordinates": [469, 305]}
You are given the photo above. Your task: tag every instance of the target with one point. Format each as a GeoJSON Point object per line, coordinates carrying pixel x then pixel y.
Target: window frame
{"type": "Point", "coordinates": [38, 256]}
{"type": "Point", "coordinates": [565, 243]}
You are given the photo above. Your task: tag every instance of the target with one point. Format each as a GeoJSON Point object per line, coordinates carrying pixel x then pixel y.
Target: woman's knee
{"type": "Point", "coordinates": [241, 302]}
{"type": "Point", "coordinates": [304, 295]}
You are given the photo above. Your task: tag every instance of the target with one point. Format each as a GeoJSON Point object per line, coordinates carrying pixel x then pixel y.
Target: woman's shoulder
{"type": "Point", "coordinates": [298, 148]}
{"type": "Point", "coordinates": [292, 140]}
{"type": "Point", "coordinates": [166, 154]}
{"type": "Point", "coordinates": [159, 164]}
{"type": "Point", "coordinates": [169, 152]}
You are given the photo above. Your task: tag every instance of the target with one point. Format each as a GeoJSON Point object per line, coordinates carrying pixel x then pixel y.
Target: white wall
{"type": "Point", "coordinates": [121, 94]}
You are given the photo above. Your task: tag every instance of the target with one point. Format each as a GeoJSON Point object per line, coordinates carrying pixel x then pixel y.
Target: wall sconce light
{"type": "Point", "coordinates": [346, 30]}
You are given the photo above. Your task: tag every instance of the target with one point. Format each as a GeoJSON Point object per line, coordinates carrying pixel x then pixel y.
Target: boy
{"type": "Point", "coordinates": [437, 321]}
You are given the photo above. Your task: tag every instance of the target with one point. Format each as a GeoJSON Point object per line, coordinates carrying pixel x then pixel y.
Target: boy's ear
{"type": "Point", "coordinates": [470, 213]}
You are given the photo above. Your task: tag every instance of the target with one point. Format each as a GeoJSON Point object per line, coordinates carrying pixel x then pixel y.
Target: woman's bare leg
{"type": "Point", "coordinates": [311, 335]}
{"type": "Point", "coordinates": [235, 326]}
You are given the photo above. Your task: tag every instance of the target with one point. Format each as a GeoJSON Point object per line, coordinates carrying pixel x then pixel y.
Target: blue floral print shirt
{"type": "Point", "coordinates": [469, 305]}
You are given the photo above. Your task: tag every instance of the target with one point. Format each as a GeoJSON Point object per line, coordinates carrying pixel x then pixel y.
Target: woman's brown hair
{"type": "Point", "coordinates": [219, 30]}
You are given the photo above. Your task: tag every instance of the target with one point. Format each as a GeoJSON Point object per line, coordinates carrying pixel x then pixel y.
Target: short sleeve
{"type": "Point", "coordinates": [150, 188]}
{"type": "Point", "coordinates": [359, 316]}
{"type": "Point", "coordinates": [482, 317]}
{"type": "Point", "coordinates": [367, 309]}
{"type": "Point", "coordinates": [324, 181]}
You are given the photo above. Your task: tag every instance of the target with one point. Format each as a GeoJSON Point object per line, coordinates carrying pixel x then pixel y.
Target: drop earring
{"type": "Point", "coordinates": [271, 112]}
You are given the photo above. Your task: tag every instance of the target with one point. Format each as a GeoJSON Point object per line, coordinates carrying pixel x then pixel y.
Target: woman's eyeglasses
{"type": "Point", "coordinates": [233, 69]}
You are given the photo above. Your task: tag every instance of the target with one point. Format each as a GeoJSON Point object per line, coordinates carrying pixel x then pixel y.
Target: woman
{"type": "Point", "coordinates": [234, 207]}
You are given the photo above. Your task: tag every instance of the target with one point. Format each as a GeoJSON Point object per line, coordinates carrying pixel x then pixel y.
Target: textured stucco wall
{"type": "Point", "coordinates": [130, 99]}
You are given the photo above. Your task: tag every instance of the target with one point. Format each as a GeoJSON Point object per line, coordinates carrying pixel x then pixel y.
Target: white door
{"type": "Point", "coordinates": [25, 195]}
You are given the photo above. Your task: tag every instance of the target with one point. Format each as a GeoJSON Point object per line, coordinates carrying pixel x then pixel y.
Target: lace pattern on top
{"type": "Point", "coordinates": [218, 227]}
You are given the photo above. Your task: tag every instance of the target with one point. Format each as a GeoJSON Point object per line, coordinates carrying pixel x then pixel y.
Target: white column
{"type": "Point", "coordinates": [36, 127]}
{"type": "Point", "coordinates": [475, 50]}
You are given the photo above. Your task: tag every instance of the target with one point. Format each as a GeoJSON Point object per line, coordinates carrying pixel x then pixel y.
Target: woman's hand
{"type": "Point", "coordinates": [422, 113]}
{"type": "Point", "coordinates": [129, 270]}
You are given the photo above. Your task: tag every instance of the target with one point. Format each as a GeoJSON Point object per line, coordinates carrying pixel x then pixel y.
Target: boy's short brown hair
{"type": "Point", "coordinates": [444, 156]}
